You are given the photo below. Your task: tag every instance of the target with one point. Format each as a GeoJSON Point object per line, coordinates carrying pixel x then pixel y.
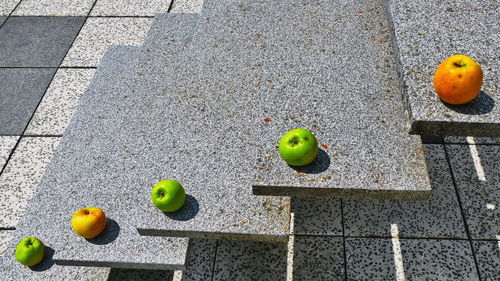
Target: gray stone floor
{"type": "Point", "coordinates": [453, 236]}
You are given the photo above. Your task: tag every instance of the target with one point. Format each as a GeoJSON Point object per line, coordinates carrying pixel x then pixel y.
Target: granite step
{"type": "Point", "coordinates": [330, 69]}
{"type": "Point", "coordinates": [426, 33]}
{"type": "Point", "coordinates": [77, 178]}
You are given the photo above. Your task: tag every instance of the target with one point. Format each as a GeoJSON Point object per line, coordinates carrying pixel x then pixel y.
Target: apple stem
{"type": "Point", "coordinates": [459, 64]}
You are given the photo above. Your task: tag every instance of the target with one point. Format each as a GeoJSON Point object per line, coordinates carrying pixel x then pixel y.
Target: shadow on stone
{"type": "Point", "coordinates": [187, 212]}
{"type": "Point", "coordinates": [109, 234]}
{"type": "Point", "coordinates": [483, 104]}
{"type": "Point", "coordinates": [47, 261]}
{"type": "Point", "coordinates": [319, 165]}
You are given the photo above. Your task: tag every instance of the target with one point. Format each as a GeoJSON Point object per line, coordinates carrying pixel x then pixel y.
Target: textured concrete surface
{"type": "Point", "coordinates": [329, 68]}
{"type": "Point", "coordinates": [2, 19]}
{"type": "Point", "coordinates": [476, 169]}
{"type": "Point", "coordinates": [21, 92]}
{"type": "Point", "coordinates": [318, 258]}
{"type": "Point", "coordinates": [237, 260]}
{"type": "Point", "coordinates": [488, 259]}
{"type": "Point", "coordinates": [130, 7]}
{"type": "Point", "coordinates": [37, 41]}
{"type": "Point", "coordinates": [438, 217]}
{"type": "Point", "coordinates": [6, 6]}
{"type": "Point", "coordinates": [5, 237]}
{"type": "Point", "coordinates": [7, 144]}
{"type": "Point", "coordinates": [59, 102]}
{"type": "Point", "coordinates": [471, 140]}
{"type": "Point", "coordinates": [410, 260]}
{"type": "Point", "coordinates": [119, 274]}
{"type": "Point", "coordinates": [53, 8]}
{"type": "Point", "coordinates": [424, 39]}
{"type": "Point", "coordinates": [200, 260]}
{"type": "Point", "coordinates": [316, 216]}
{"type": "Point", "coordinates": [120, 245]}
{"type": "Point", "coordinates": [21, 176]}
{"type": "Point", "coordinates": [187, 6]}
{"type": "Point", "coordinates": [99, 33]}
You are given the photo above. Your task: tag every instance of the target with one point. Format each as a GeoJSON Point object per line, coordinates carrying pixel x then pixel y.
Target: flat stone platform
{"type": "Point", "coordinates": [80, 175]}
{"type": "Point", "coordinates": [330, 68]}
{"type": "Point", "coordinates": [424, 39]}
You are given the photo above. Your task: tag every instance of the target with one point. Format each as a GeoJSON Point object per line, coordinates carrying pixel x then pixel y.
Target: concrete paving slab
{"type": "Point", "coordinates": [7, 144]}
{"type": "Point", "coordinates": [187, 6]}
{"type": "Point", "coordinates": [239, 260]}
{"type": "Point", "coordinates": [6, 6]}
{"type": "Point", "coordinates": [5, 237]}
{"type": "Point", "coordinates": [22, 90]}
{"type": "Point", "coordinates": [130, 7]}
{"type": "Point", "coordinates": [54, 8]}
{"type": "Point", "coordinates": [476, 169]}
{"type": "Point", "coordinates": [54, 112]}
{"type": "Point", "coordinates": [99, 33]}
{"type": "Point", "coordinates": [329, 69]}
{"type": "Point", "coordinates": [316, 216]}
{"type": "Point", "coordinates": [120, 245]}
{"type": "Point", "coordinates": [438, 217]}
{"type": "Point", "coordinates": [37, 41]}
{"type": "Point", "coordinates": [21, 176]}
{"type": "Point", "coordinates": [318, 258]}
{"type": "Point", "coordinates": [488, 259]}
{"type": "Point", "coordinates": [2, 19]}
{"type": "Point", "coordinates": [411, 260]}
{"type": "Point", "coordinates": [120, 274]}
{"type": "Point", "coordinates": [200, 260]}
{"type": "Point", "coordinates": [427, 33]}
{"type": "Point", "coordinates": [471, 140]}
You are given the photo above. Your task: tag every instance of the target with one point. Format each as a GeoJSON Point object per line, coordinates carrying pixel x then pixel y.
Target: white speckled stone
{"type": "Point", "coordinates": [59, 102]}
{"type": "Point", "coordinates": [5, 237]}
{"type": "Point", "coordinates": [318, 258]}
{"type": "Point", "coordinates": [438, 217]}
{"type": "Point", "coordinates": [130, 7]}
{"type": "Point", "coordinates": [426, 33]}
{"type": "Point", "coordinates": [6, 6]}
{"type": "Point", "coordinates": [7, 143]}
{"type": "Point", "coordinates": [437, 260]}
{"type": "Point", "coordinates": [187, 6]}
{"type": "Point", "coordinates": [488, 259]}
{"type": "Point", "coordinates": [54, 8]}
{"type": "Point", "coordinates": [316, 216]}
{"type": "Point", "coordinates": [238, 260]}
{"type": "Point", "coordinates": [99, 33]}
{"type": "Point", "coordinates": [21, 176]}
{"type": "Point", "coordinates": [480, 199]}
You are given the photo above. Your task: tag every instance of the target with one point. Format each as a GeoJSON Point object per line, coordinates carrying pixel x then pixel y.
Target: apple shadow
{"type": "Point", "coordinates": [187, 212]}
{"type": "Point", "coordinates": [109, 234]}
{"type": "Point", "coordinates": [483, 104]}
{"type": "Point", "coordinates": [47, 261]}
{"type": "Point", "coordinates": [319, 165]}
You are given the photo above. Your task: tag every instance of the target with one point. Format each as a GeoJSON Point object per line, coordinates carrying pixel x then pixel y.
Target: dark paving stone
{"type": "Point", "coordinates": [37, 41]}
{"type": "Point", "coordinates": [488, 259]}
{"type": "Point", "coordinates": [318, 258]}
{"type": "Point", "coordinates": [426, 33]}
{"type": "Point", "coordinates": [21, 91]}
{"type": "Point", "coordinates": [2, 19]}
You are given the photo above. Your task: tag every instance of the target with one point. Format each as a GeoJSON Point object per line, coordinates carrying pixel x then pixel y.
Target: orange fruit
{"type": "Point", "coordinates": [458, 79]}
{"type": "Point", "coordinates": [88, 222]}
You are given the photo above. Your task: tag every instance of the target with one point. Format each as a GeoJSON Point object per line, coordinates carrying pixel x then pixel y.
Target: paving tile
{"type": "Point", "coordinates": [21, 92]}
{"type": "Point", "coordinates": [5, 237]}
{"type": "Point", "coordinates": [476, 169]}
{"type": "Point", "coordinates": [54, 8]}
{"type": "Point", "coordinates": [99, 33]}
{"type": "Point", "coordinates": [37, 41]}
{"type": "Point", "coordinates": [7, 143]}
{"type": "Point", "coordinates": [2, 19]}
{"type": "Point", "coordinates": [187, 6]}
{"type": "Point", "coordinates": [488, 259]}
{"type": "Point", "coordinates": [22, 175]}
{"type": "Point", "coordinates": [130, 7]}
{"type": "Point", "coordinates": [471, 140]}
{"type": "Point", "coordinates": [239, 260]}
{"type": "Point", "coordinates": [318, 258]}
{"type": "Point", "coordinates": [59, 102]}
{"type": "Point", "coordinates": [118, 274]}
{"type": "Point", "coordinates": [316, 216]}
{"type": "Point", "coordinates": [440, 216]}
{"type": "Point", "coordinates": [410, 260]}
{"type": "Point", "coordinates": [6, 6]}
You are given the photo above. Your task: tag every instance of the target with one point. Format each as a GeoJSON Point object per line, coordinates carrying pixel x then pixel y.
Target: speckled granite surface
{"type": "Point", "coordinates": [424, 39]}
{"type": "Point", "coordinates": [329, 68]}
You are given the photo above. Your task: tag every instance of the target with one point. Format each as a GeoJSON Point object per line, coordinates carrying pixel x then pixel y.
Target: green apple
{"type": "Point", "coordinates": [298, 147]}
{"type": "Point", "coordinates": [30, 251]}
{"type": "Point", "coordinates": [168, 195]}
